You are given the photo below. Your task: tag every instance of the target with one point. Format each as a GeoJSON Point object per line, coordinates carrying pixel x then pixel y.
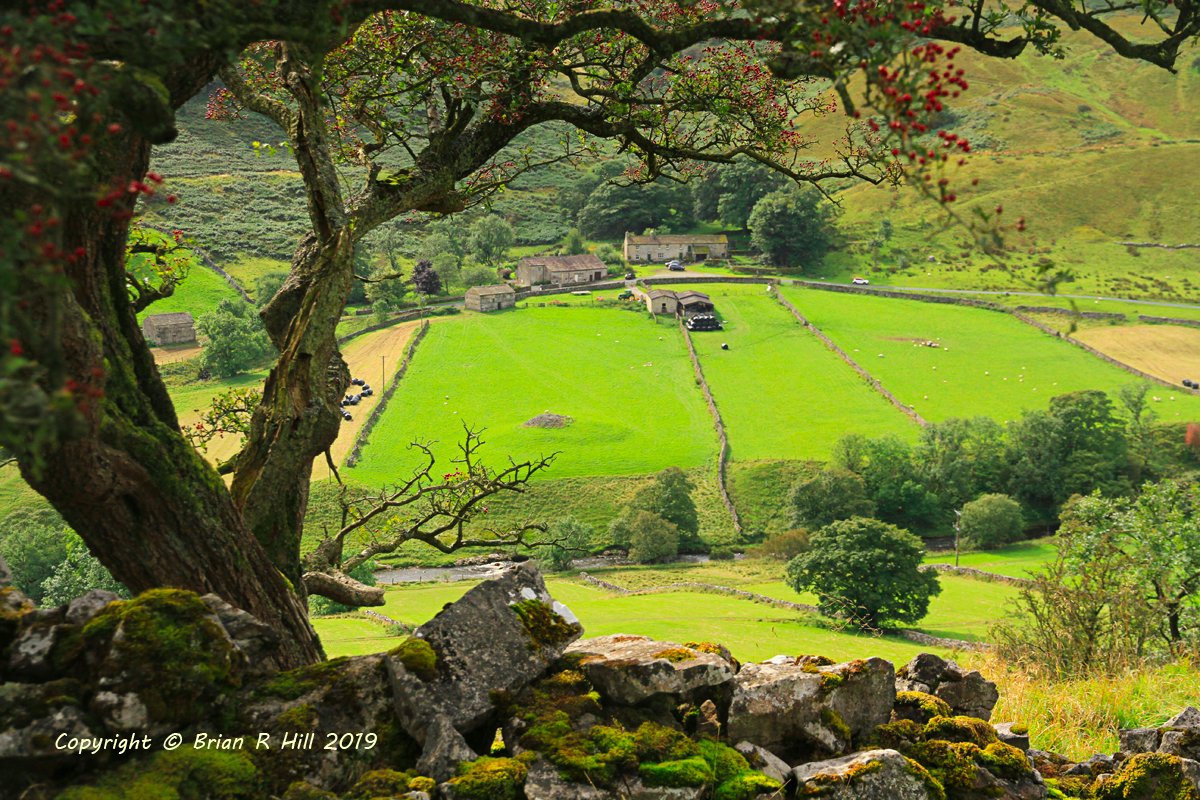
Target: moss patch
{"type": "Point", "coordinates": [387, 783]}
{"type": "Point", "coordinates": [676, 654]}
{"type": "Point", "coordinates": [732, 775]}
{"type": "Point", "coordinates": [961, 729]}
{"type": "Point", "coordinates": [694, 771]}
{"type": "Point", "coordinates": [298, 682]}
{"type": "Point", "coordinates": [490, 779]}
{"type": "Point", "coordinates": [834, 722]}
{"type": "Point", "coordinates": [193, 661]}
{"type": "Point", "coordinates": [544, 627]}
{"type": "Point", "coordinates": [186, 774]}
{"type": "Point", "coordinates": [417, 656]}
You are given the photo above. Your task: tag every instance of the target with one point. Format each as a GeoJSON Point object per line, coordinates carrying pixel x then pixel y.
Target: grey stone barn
{"type": "Point", "coordinates": [560, 270]}
{"type": "Point", "coordinates": [662, 301]}
{"type": "Point", "coordinates": [174, 328]}
{"type": "Point", "coordinates": [491, 298]}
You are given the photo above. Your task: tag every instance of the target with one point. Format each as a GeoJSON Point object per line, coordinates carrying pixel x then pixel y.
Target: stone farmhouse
{"type": "Point", "coordinates": [491, 298]}
{"type": "Point", "coordinates": [560, 270]}
{"type": "Point", "coordinates": [691, 247]}
{"type": "Point", "coordinates": [175, 328]}
{"type": "Point", "coordinates": [665, 301]}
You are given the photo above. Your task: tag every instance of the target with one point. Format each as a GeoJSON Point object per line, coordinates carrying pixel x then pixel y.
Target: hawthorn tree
{"type": "Point", "coordinates": [87, 87]}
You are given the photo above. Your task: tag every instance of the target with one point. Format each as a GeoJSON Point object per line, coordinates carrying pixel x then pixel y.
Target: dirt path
{"type": "Point", "coordinates": [1170, 352]}
{"type": "Point", "coordinates": [369, 357]}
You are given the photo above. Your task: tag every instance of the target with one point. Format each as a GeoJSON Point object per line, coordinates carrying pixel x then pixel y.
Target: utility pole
{"type": "Point", "coordinates": [382, 372]}
{"type": "Point", "coordinates": [957, 526]}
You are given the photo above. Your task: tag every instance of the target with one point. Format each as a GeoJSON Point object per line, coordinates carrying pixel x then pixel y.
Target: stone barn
{"type": "Point", "coordinates": [690, 247]}
{"type": "Point", "coordinates": [662, 301]}
{"type": "Point", "coordinates": [176, 328]}
{"type": "Point", "coordinates": [560, 270]}
{"type": "Point", "coordinates": [491, 298]}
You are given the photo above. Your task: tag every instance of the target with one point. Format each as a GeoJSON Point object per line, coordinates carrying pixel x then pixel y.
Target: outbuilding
{"type": "Point", "coordinates": [174, 328]}
{"type": "Point", "coordinates": [560, 270]}
{"type": "Point", "coordinates": [662, 301]}
{"type": "Point", "coordinates": [491, 298]}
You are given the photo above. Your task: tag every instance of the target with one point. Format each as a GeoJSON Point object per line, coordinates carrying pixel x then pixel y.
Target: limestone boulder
{"type": "Point", "coordinates": [630, 670]}
{"type": "Point", "coordinates": [764, 761]}
{"type": "Point", "coordinates": [967, 692]}
{"type": "Point", "coordinates": [790, 706]}
{"type": "Point", "coordinates": [499, 637]}
{"type": "Point", "coordinates": [1018, 738]}
{"type": "Point", "coordinates": [257, 641]}
{"type": "Point", "coordinates": [869, 775]}
{"type": "Point", "coordinates": [1139, 740]}
{"type": "Point", "coordinates": [545, 783]}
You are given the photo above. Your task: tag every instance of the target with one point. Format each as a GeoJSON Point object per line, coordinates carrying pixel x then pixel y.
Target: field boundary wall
{"type": "Point", "coordinates": [363, 437]}
{"type": "Point", "coordinates": [978, 574]}
{"type": "Point", "coordinates": [1192, 323]}
{"type": "Point", "coordinates": [867, 376]}
{"type": "Point", "coordinates": [719, 425]}
{"type": "Point", "coordinates": [208, 262]}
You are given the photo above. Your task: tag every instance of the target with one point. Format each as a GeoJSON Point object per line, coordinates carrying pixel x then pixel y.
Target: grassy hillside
{"type": "Point", "coordinates": [988, 363]}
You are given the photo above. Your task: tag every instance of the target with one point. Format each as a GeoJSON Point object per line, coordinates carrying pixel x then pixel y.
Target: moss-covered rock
{"type": "Point", "coordinates": [183, 774]}
{"type": "Point", "coordinates": [676, 654]}
{"type": "Point", "coordinates": [919, 707]}
{"type": "Point", "coordinates": [194, 664]}
{"type": "Point", "coordinates": [490, 779]}
{"type": "Point", "coordinates": [386, 783]}
{"type": "Point", "coordinates": [961, 729]}
{"type": "Point", "coordinates": [1148, 776]}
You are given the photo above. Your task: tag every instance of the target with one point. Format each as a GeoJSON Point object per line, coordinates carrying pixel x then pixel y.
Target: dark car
{"type": "Point", "coordinates": [675, 266]}
{"type": "Point", "coordinates": [631, 275]}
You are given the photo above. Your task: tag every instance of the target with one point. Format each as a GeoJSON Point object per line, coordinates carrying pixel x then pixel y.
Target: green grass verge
{"type": "Point", "coordinates": [625, 381]}
{"type": "Point", "coordinates": [1015, 561]}
{"type": "Point", "coordinates": [988, 363]}
{"type": "Point", "coordinates": [199, 293]}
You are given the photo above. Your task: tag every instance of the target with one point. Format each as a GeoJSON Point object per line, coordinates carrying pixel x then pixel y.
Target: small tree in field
{"type": "Point", "coordinates": [652, 538]}
{"type": "Point", "coordinates": [991, 521]}
{"type": "Point", "coordinates": [670, 497]}
{"type": "Point", "coordinates": [866, 571]}
{"type": "Point", "coordinates": [491, 236]}
{"type": "Point", "coordinates": [425, 279]}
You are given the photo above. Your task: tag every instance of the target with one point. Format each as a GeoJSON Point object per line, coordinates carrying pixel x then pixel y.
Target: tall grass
{"type": "Point", "coordinates": [1080, 716]}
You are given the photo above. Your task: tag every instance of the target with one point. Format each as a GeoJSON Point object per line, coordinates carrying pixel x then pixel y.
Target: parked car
{"type": "Point", "coordinates": [631, 275]}
{"type": "Point", "coordinates": [860, 282]}
{"type": "Point", "coordinates": [675, 266]}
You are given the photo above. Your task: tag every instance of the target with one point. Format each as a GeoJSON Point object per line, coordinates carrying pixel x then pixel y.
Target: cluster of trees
{"type": "Point", "coordinates": [789, 225]}
{"type": "Point", "coordinates": [1003, 479]}
{"type": "Point", "coordinates": [1124, 587]}
{"type": "Point", "coordinates": [237, 341]}
{"type": "Point", "coordinates": [49, 562]}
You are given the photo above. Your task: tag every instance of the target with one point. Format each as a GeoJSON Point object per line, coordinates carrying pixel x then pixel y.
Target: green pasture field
{"type": "Point", "coordinates": [781, 393]}
{"type": "Point", "coordinates": [1015, 561]}
{"type": "Point", "coordinates": [987, 364]}
{"type": "Point", "coordinates": [247, 269]}
{"type": "Point", "coordinates": [199, 293]}
{"type": "Point", "coordinates": [750, 630]}
{"type": "Point", "coordinates": [626, 383]}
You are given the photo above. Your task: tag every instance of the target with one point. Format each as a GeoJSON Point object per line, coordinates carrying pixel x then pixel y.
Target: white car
{"type": "Point", "coordinates": [860, 282]}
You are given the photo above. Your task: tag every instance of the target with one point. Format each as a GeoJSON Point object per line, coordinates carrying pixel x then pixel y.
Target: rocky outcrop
{"type": "Point", "coordinates": [870, 775]}
{"type": "Point", "coordinates": [967, 692]}
{"type": "Point", "coordinates": [630, 670]}
{"type": "Point", "coordinates": [795, 706]}
{"type": "Point", "coordinates": [500, 636]}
